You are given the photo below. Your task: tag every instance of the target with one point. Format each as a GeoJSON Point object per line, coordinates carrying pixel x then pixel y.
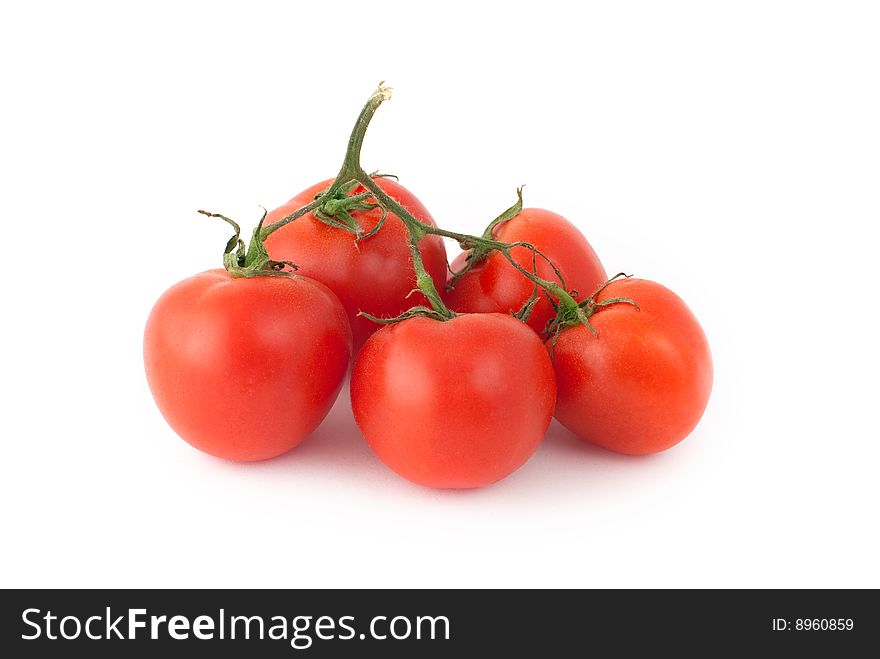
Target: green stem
{"type": "Point", "coordinates": [489, 244]}
{"type": "Point", "coordinates": [587, 309]}
{"type": "Point", "coordinates": [352, 162]}
{"type": "Point", "coordinates": [351, 165]}
{"type": "Point", "coordinates": [265, 232]}
{"type": "Point", "coordinates": [352, 171]}
{"type": "Point", "coordinates": [252, 260]}
{"type": "Point", "coordinates": [417, 230]}
{"type": "Point", "coordinates": [475, 254]}
{"type": "Point", "coordinates": [474, 242]}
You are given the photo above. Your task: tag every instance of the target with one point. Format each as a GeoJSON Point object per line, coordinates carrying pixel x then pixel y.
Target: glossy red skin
{"type": "Point", "coordinates": [494, 285]}
{"type": "Point", "coordinates": [455, 404]}
{"type": "Point", "coordinates": [245, 369]}
{"type": "Point", "coordinates": [375, 279]}
{"type": "Point", "coordinates": [642, 385]}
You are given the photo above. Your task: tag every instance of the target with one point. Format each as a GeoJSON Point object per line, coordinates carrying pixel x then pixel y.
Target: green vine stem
{"type": "Point", "coordinates": [254, 261]}
{"type": "Point", "coordinates": [586, 310]}
{"type": "Point", "coordinates": [351, 170]}
{"type": "Point", "coordinates": [335, 205]}
{"type": "Point", "coordinates": [352, 173]}
{"type": "Point", "coordinates": [251, 261]}
{"type": "Point", "coordinates": [476, 254]}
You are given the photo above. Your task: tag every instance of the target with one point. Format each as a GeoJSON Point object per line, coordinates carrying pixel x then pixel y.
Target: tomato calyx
{"type": "Point", "coordinates": [337, 206]}
{"type": "Point", "coordinates": [251, 260]}
{"type": "Point", "coordinates": [586, 309]}
{"type": "Point", "coordinates": [479, 251]}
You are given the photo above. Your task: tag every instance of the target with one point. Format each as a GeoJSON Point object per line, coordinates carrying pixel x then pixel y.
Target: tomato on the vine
{"type": "Point", "coordinates": [244, 368]}
{"type": "Point", "coordinates": [460, 403]}
{"type": "Point", "coordinates": [494, 285]}
{"type": "Point", "coordinates": [374, 275]}
{"type": "Point", "coordinates": [641, 383]}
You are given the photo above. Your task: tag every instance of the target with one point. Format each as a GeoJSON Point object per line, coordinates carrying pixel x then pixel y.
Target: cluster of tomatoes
{"type": "Point", "coordinates": [457, 369]}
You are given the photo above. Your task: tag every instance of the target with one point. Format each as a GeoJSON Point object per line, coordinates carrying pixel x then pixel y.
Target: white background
{"type": "Point", "coordinates": [728, 150]}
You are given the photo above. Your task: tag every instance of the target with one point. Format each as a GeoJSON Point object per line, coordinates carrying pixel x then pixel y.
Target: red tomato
{"type": "Point", "coordinates": [454, 404]}
{"type": "Point", "coordinates": [494, 285]}
{"type": "Point", "coordinates": [642, 384]}
{"type": "Point", "coordinates": [246, 368]}
{"type": "Point", "coordinates": [377, 275]}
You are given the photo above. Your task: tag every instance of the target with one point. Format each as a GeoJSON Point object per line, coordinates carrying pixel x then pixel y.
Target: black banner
{"type": "Point", "coordinates": [410, 623]}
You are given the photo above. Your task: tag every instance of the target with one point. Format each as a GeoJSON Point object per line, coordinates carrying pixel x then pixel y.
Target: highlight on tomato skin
{"type": "Point", "coordinates": [494, 286]}
{"type": "Point", "coordinates": [246, 368]}
{"type": "Point", "coordinates": [374, 275]}
{"type": "Point", "coordinates": [640, 384]}
{"type": "Point", "coordinates": [461, 403]}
